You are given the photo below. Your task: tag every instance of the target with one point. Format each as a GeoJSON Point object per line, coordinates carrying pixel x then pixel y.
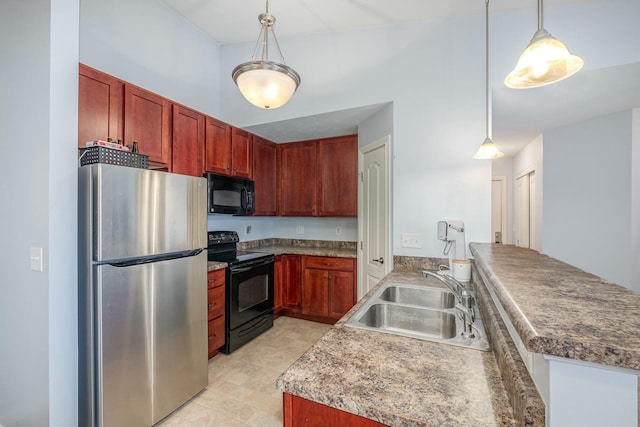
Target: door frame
{"type": "Point", "coordinates": [388, 252]}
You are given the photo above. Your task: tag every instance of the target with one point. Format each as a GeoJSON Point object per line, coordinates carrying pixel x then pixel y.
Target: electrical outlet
{"type": "Point", "coordinates": [338, 231]}
{"type": "Point", "coordinates": [247, 229]}
{"type": "Point", "coordinates": [300, 229]}
{"type": "Point", "coordinates": [411, 240]}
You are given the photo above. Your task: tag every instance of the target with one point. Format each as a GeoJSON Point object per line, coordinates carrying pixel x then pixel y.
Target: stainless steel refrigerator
{"type": "Point", "coordinates": [142, 294]}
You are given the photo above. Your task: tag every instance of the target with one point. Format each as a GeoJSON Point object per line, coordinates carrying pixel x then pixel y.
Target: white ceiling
{"type": "Point", "coordinates": [517, 116]}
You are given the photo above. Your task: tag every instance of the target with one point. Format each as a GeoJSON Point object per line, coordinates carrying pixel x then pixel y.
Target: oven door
{"type": "Point", "coordinates": [250, 295]}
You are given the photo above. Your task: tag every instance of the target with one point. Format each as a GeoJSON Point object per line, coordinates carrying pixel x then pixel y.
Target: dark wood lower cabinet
{"type": "Point", "coordinates": [215, 301]}
{"type": "Point", "coordinates": [328, 287]}
{"type": "Point", "coordinates": [299, 412]}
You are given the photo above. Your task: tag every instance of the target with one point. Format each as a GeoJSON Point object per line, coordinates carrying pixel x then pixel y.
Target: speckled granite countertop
{"type": "Point", "coordinates": [561, 310]}
{"type": "Point", "coordinates": [295, 247]}
{"type": "Point", "coordinates": [308, 250]}
{"type": "Point", "coordinates": [215, 265]}
{"type": "Point", "coordinates": [400, 381]}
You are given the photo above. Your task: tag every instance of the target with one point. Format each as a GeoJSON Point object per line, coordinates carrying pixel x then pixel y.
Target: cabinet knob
{"type": "Point", "coordinates": [379, 260]}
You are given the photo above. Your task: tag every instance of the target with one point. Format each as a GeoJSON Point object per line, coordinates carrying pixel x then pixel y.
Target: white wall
{"type": "Point", "coordinates": [38, 117]}
{"type": "Point", "coordinates": [587, 196]}
{"type": "Point", "coordinates": [376, 127]}
{"type": "Point", "coordinates": [437, 116]}
{"type": "Point", "coordinates": [146, 43]}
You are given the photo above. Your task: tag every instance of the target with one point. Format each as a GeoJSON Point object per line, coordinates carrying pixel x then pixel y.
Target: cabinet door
{"type": "Point", "coordinates": [337, 184]}
{"type": "Point", "coordinates": [297, 179]}
{"type": "Point", "coordinates": [240, 153]}
{"type": "Point", "coordinates": [264, 175]}
{"type": "Point", "coordinates": [187, 141]}
{"type": "Point", "coordinates": [100, 106]}
{"type": "Point", "coordinates": [341, 293]}
{"type": "Point", "coordinates": [147, 119]}
{"type": "Point", "coordinates": [291, 284]}
{"type": "Point", "coordinates": [217, 146]}
{"type": "Point", "coordinates": [315, 292]}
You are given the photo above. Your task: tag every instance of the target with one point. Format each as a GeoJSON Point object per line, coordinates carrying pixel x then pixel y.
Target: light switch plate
{"type": "Point", "coordinates": [35, 259]}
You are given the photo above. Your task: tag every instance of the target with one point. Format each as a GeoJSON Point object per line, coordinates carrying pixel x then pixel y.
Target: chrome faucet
{"type": "Point", "coordinates": [464, 300]}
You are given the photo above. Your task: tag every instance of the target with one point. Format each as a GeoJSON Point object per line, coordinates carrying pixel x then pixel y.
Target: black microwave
{"type": "Point", "coordinates": [229, 195]}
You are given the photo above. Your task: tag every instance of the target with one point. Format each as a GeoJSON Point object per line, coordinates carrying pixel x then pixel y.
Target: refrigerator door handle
{"type": "Point", "coordinates": [156, 258]}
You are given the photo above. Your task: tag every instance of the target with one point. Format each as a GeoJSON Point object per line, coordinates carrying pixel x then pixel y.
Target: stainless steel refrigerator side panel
{"type": "Point", "coordinates": [124, 354]}
{"type": "Point", "coordinates": [180, 335]}
{"type": "Point", "coordinates": [86, 338]}
{"type": "Point", "coordinates": [140, 212]}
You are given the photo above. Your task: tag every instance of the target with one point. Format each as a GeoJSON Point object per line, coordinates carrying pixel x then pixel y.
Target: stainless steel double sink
{"type": "Point", "coordinates": [417, 311]}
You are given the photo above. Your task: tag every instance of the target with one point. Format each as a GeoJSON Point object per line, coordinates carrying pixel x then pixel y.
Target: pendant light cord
{"type": "Point", "coordinates": [486, 70]}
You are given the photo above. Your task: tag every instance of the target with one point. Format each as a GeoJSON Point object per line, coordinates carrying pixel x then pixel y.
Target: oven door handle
{"type": "Point", "coordinates": [247, 267]}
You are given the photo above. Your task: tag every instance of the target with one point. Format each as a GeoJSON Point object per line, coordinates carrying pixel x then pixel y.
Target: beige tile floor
{"type": "Point", "coordinates": [241, 390]}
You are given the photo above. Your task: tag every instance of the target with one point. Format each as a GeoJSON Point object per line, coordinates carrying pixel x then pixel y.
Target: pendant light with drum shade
{"type": "Point", "coordinates": [488, 149]}
{"type": "Point", "coordinates": [546, 60]}
{"type": "Point", "coordinates": [264, 83]}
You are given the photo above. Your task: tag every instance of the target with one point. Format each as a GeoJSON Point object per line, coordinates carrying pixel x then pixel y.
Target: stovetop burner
{"type": "Point", "coordinates": [222, 248]}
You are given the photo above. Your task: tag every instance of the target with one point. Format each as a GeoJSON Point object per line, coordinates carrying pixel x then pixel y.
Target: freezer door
{"type": "Point", "coordinates": [151, 325]}
{"type": "Point", "coordinates": [140, 212]}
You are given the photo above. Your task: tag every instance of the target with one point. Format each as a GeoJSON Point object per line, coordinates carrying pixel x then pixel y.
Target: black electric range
{"type": "Point", "coordinates": [249, 295]}
{"type": "Point", "coordinates": [222, 248]}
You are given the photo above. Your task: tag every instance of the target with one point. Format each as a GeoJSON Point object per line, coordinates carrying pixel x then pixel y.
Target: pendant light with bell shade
{"type": "Point", "coordinates": [546, 60]}
{"type": "Point", "coordinates": [266, 84]}
{"type": "Point", "coordinates": [488, 150]}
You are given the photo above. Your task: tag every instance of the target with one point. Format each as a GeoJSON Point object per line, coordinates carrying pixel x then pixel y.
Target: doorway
{"type": "Point", "coordinates": [499, 210]}
{"type": "Point", "coordinates": [525, 210]}
{"type": "Point", "coordinates": [375, 259]}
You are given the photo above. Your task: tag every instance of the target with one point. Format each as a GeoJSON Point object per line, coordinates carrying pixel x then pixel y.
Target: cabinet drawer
{"type": "Point", "coordinates": [328, 263]}
{"type": "Point", "coordinates": [216, 334]}
{"type": "Point", "coordinates": [215, 298]}
{"type": "Point", "coordinates": [215, 278]}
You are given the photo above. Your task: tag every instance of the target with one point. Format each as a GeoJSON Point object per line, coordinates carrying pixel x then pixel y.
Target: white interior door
{"type": "Point", "coordinates": [375, 259]}
{"type": "Point", "coordinates": [499, 209]}
{"type": "Point", "coordinates": [523, 211]}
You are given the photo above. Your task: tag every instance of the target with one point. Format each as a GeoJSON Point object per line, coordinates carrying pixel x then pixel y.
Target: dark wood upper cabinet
{"type": "Point", "coordinates": [337, 184]}
{"type": "Point", "coordinates": [147, 118]}
{"type": "Point", "coordinates": [240, 153]}
{"type": "Point", "coordinates": [227, 148]}
{"type": "Point", "coordinates": [297, 179]}
{"type": "Point", "coordinates": [265, 176]}
{"type": "Point", "coordinates": [318, 177]}
{"type": "Point", "coordinates": [187, 141]}
{"type": "Point", "coordinates": [217, 146]}
{"type": "Point", "coordinates": [100, 106]}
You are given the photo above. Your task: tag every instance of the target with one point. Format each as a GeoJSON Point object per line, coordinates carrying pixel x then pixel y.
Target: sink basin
{"type": "Point", "coordinates": [419, 295]}
{"type": "Point", "coordinates": [410, 320]}
{"type": "Point", "coordinates": [421, 312]}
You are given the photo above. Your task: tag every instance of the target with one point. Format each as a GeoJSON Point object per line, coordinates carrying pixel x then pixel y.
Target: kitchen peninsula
{"type": "Point", "coordinates": [577, 334]}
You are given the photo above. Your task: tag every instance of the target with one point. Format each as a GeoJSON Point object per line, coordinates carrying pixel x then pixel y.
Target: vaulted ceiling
{"type": "Point", "coordinates": [518, 116]}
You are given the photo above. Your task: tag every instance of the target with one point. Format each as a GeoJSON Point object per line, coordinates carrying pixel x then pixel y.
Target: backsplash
{"type": "Point", "coordinates": [401, 262]}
